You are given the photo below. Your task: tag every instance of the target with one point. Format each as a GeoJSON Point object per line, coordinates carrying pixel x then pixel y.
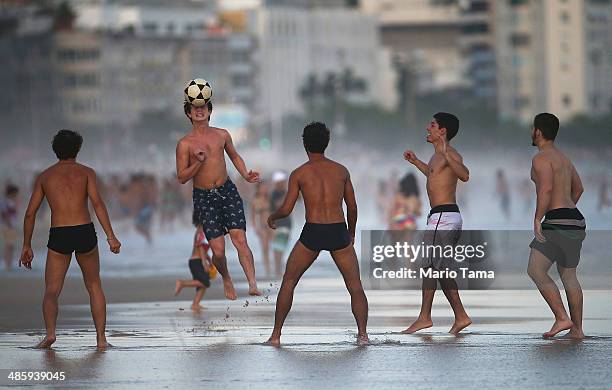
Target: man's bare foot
{"type": "Point", "coordinates": [363, 339]}
{"type": "Point", "coordinates": [558, 326]}
{"type": "Point", "coordinates": [197, 307]}
{"type": "Point", "coordinates": [273, 341]}
{"type": "Point", "coordinates": [177, 288]}
{"type": "Point", "coordinates": [574, 334]}
{"type": "Point", "coordinates": [228, 287]}
{"type": "Point", "coordinates": [46, 343]}
{"type": "Point", "coordinates": [459, 325]}
{"type": "Point", "coordinates": [103, 345]}
{"type": "Point", "coordinates": [418, 325]}
{"type": "Point", "coordinates": [254, 291]}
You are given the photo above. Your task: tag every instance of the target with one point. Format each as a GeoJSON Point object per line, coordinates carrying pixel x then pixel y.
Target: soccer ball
{"type": "Point", "coordinates": [198, 92]}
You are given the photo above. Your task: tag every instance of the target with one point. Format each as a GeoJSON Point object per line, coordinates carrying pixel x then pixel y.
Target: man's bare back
{"type": "Point", "coordinates": [556, 167]}
{"type": "Point", "coordinates": [323, 185]}
{"type": "Point", "coordinates": [65, 185]}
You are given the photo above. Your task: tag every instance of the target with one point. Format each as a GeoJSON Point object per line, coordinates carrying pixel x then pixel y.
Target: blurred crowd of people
{"type": "Point", "coordinates": [148, 203]}
{"type": "Point", "coordinates": [400, 206]}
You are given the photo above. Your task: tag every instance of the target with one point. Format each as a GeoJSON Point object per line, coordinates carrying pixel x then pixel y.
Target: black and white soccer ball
{"type": "Point", "coordinates": [198, 92]}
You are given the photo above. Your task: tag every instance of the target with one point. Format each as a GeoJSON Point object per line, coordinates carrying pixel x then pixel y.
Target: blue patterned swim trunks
{"type": "Point", "coordinates": [218, 210]}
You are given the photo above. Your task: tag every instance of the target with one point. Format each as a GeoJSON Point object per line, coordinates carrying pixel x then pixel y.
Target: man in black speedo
{"type": "Point", "coordinates": [69, 187]}
{"type": "Point", "coordinates": [324, 185]}
{"type": "Point", "coordinates": [558, 237]}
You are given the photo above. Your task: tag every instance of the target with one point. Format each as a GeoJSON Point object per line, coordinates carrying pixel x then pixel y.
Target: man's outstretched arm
{"type": "Point", "coordinates": [351, 206]}
{"type": "Point", "coordinates": [237, 160]}
{"type": "Point", "coordinates": [184, 171]}
{"type": "Point", "coordinates": [411, 157]}
{"type": "Point", "coordinates": [29, 220]}
{"type": "Point", "coordinates": [289, 202]}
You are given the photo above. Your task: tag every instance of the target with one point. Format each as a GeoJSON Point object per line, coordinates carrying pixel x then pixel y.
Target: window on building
{"type": "Point", "coordinates": [475, 28]}
{"type": "Point", "coordinates": [596, 57]}
{"type": "Point", "coordinates": [150, 27]}
{"type": "Point", "coordinates": [521, 102]}
{"type": "Point", "coordinates": [520, 40]}
{"type": "Point", "coordinates": [595, 101]}
{"type": "Point", "coordinates": [241, 80]}
{"type": "Point", "coordinates": [567, 101]}
{"type": "Point", "coordinates": [565, 17]}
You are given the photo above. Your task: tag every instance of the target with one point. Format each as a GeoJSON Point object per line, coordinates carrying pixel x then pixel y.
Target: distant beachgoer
{"type": "Point", "coordinates": [502, 190]}
{"type": "Point", "coordinates": [260, 209]}
{"type": "Point", "coordinates": [8, 218]}
{"type": "Point", "coordinates": [201, 267]}
{"type": "Point", "coordinates": [280, 238]}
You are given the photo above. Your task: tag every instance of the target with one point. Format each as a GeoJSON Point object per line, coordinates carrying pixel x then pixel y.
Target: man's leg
{"type": "Point", "coordinates": [55, 272]}
{"type": "Point", "coordinates": [424, 320]}
{"type": "Point", "coordinates": [300, 259]}
{"type": "Point", "coordinates": [90, 268]}
{"type": "Point", "coordinates": [181, 284]}
{"type": "Point", "coordinates": [573, 291]}
{"type": "Point", "coordinates": [217, 246]}
{"type": "Point", "coordinates": [451, 291]}
{"type": "Point", "coordinates": [538, 272]}
{"type": "Point", "coordinates": [195, 305]}
{"type": "Point", "coordinates": [245, 256]}
{"type": "Point", "coordinates": [346, 261]}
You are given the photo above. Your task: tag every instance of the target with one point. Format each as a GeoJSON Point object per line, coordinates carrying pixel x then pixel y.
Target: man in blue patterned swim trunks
{"type": "Point", "coordinates": [217, 206]}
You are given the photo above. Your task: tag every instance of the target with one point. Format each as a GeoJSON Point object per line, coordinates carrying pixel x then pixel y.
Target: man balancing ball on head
{"type": "Point", "coordinates": [444, 222]}
{"type": "Point", "coordinates": [68, 186]}
{"type": "Point", "coordinates": [558, 238]}
{"type": "Point", "coordinates": [217, 206]}
{"type": "Point", "coordinates": [324, 185]}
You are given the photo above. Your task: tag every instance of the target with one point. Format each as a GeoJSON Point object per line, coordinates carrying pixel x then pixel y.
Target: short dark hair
{"type": "Point", "coordinates": [548, 124]}
{"type": "Point", "coordinates": [187, 109]}
{"type": "Point", "coordinates": [316, 137]}
{"type": "Point", "coordinates": [67, 144]}
{"type": "Point", "coordinates": [448, 121]}
{"type": "Point", "coordinates": [11, 189]}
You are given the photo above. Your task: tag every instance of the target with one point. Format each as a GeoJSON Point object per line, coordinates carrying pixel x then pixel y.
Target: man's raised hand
{"type": "Point", "coordinates": [410, 156]}
{"type": "Point", "coordinates": [252, 177]}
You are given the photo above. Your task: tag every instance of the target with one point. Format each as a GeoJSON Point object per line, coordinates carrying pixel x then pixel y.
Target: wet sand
{"type": "Point", "coordinates": [160, 343]}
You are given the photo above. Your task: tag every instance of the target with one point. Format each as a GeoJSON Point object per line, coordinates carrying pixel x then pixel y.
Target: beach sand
{"type": "Point", "coordinates": [160, 343]}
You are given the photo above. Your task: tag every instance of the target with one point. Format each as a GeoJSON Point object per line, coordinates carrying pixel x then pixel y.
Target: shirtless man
{"type": "Point", "coordinates": [558, 238]}
{"type": "Point", "coordinates": [217, 206]}
{"type": "Point", "coordinates": [324, 185]}
{"type": "Point", "coordinates": [444, 222]}
{"type": "Point", "coordinates": [68, 185]}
